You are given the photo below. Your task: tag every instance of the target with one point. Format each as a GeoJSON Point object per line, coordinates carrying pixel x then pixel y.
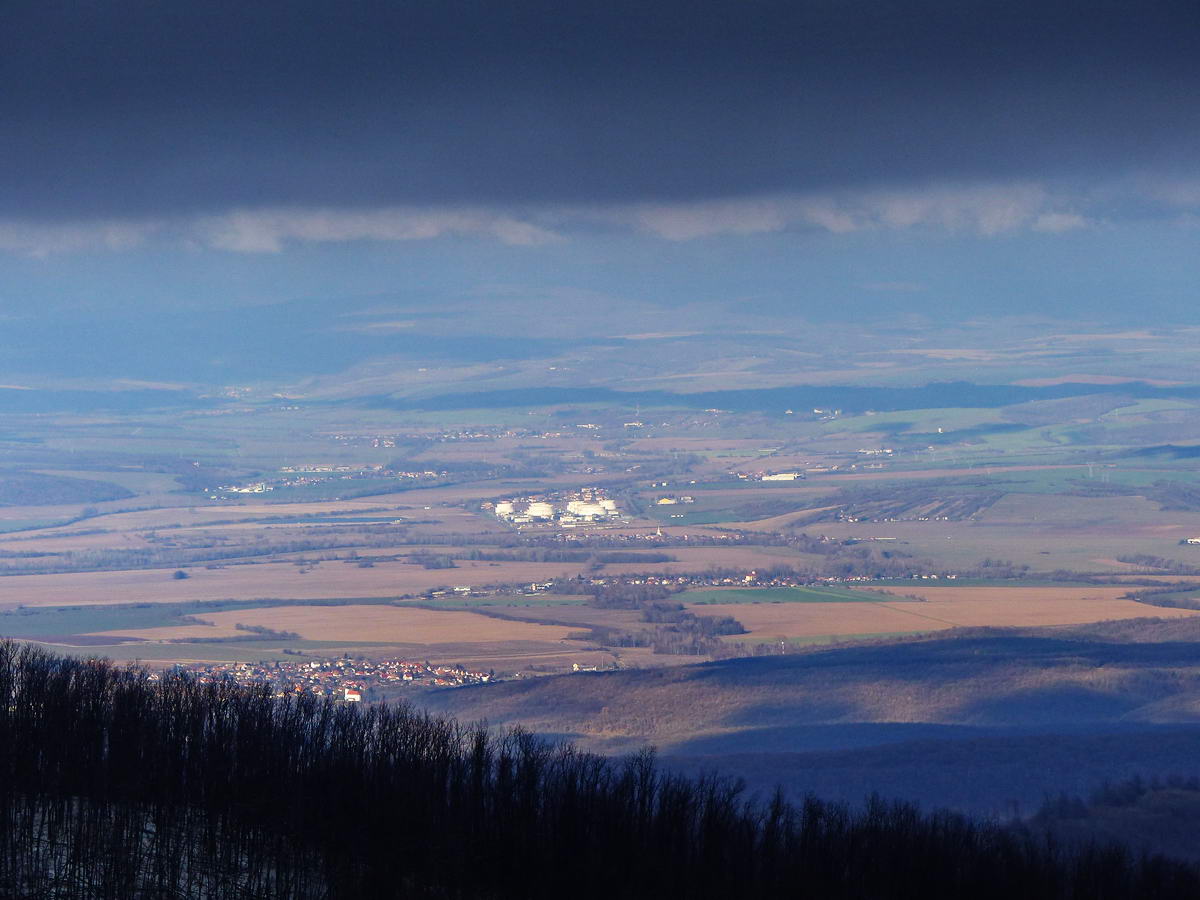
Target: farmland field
{"type": "Point", "coordinates": [370, 624]}
{"type": "Point", "coordinates": [780, 595]}
{"type": "Point", "coordinates": [1022, 502]}
{"type": "Point", "coordinates": [942, 608]}
{"type": "Point", "coordinates": [265, 580]}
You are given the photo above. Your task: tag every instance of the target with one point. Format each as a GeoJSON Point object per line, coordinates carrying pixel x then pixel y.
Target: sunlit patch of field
{"type": "Point", "coordinates": [1019, 606]}
{"type": "Point", "coordinates": [265, 580]}
{"type": "Point", "coordinates": [173, 633]}
{"type": "Point", "coordinates": [373, 623]}
{"type": "Point", "coordinates": [944, 607]}
{"type": "Point", "coordinates": [294, 574]}
{"type": "Point", "coordinates": [767, 622]}
{"type": "Point", "coordinates": [948, 592]}
{"type": "Point", "coordinates": [1031, 606]}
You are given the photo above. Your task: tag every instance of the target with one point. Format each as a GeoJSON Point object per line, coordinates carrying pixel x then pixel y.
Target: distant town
{"type": "Point", "coordinates": [349, 680]}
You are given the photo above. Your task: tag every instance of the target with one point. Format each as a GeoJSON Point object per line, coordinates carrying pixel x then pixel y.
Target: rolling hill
{"type": "Point", "coordinates": [982, 720]}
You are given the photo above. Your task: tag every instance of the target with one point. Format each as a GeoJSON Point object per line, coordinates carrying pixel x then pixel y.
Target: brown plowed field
{"type": "Point", "coordinates": [374, 624]}
{"type": "Point", "coordinates": [251, 582]}
{"type": "Point", "coordinates": [944, 607]}
{"type": "Point", "coordinates": [767, 622]}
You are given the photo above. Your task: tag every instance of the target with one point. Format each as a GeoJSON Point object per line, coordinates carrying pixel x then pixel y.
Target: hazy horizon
{"type": "Point", "coordinates": [207, 195]}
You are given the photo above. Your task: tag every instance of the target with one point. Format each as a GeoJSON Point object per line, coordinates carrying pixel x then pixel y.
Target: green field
{"type": "Point", "coordinates": [35, 622]}
{"type": "Point", "coordinates": [60, 621]}
{"type": "Point", "coordinates": [781, 595]}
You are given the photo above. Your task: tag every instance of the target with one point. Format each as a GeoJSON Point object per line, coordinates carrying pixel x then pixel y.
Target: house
{"type": "Point", "coordinates": [352, 695]}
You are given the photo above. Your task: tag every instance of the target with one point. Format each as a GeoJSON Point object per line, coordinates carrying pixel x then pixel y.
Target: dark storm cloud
{"type": "Point", "coordinates": [141, 108]}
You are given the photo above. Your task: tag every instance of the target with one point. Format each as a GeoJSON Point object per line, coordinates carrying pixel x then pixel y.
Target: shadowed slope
{"type": "Point", "coordinates": [974, 683]}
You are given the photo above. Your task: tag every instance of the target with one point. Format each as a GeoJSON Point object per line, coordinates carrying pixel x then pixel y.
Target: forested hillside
{"type": "Point", "coordinates": [118, 785]}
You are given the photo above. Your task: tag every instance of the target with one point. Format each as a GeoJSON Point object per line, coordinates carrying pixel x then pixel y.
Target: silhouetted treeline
{"type": "Point", "coordinates": [676, 631]}
{"type": "Point", "coordinates": [1171, 596]}
{"type": "Point", "coordinates": [1158, 565]}
{"type": "Point", "coordinates": [114, 786]}
{"type": "Point", "coordinates": [264, 631]}
{"type": "Point", "coordinates": [626, 595]}
{"type": "Point", "coordinates": [432, 560]}
{"type": "Point", "coordinates": [22, 488]}
{"type": "Point", "coordinates": [1158, 813]}
{"type": "Point", "coordinates": [1128, 792]}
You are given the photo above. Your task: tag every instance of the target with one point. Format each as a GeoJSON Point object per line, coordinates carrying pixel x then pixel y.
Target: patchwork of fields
{"type": "Point", "coordinates": [1050, 512]}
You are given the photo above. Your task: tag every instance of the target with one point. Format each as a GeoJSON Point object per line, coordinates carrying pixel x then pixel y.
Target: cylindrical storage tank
{"type": "Point", "coordinates": [504, 509]}
{"type": "Point", "coordinates": [540, 510]}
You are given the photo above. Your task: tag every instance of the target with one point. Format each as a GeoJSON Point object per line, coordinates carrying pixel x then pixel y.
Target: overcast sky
{"type": "Point", "coordinates": [967, 155]}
